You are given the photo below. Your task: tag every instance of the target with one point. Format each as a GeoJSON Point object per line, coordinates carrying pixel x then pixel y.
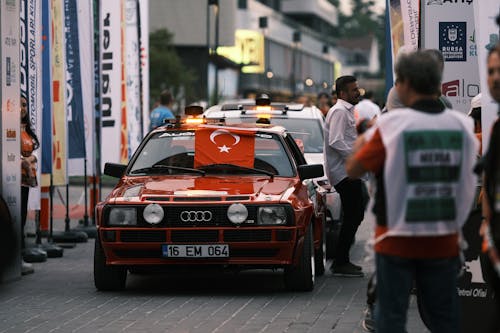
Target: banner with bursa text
{"type": "Point", "coordinates": [448, 26]}
{"type": "Point", "coordinates": [111, 76]}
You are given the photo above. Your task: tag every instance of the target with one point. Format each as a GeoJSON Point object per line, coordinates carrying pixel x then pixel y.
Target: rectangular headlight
{"type": "Point", "coordinates": [271, 215]}
{"type": "Point", "coordinates": [122, 216]}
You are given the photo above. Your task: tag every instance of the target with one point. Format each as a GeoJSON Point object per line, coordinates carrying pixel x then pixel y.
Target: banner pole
{"type": "Point", "coordinates": [66, 219]}
{"type": "Point", "coordinates": [85, 215]}
{"type": "Point", "coordinates": [51, 215]}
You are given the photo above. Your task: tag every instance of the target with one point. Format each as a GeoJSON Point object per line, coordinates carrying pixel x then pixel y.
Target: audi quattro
{"type": "Point", "coordinates": [305, 124]}
{"type": "Point", "coordinates": [211, 194]}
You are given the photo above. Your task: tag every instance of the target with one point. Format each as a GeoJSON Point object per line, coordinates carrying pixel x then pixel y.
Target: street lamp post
{"type": "Point", "coordinates": [296, 43]}
{"type": "Point", "coordinates": [269, 73]}
{"type": "Point", "coordinates": [215, 3]}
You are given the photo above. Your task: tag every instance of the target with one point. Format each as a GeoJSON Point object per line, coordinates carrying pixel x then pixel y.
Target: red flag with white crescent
{"type": "Point", "coordinates": [224, 145]}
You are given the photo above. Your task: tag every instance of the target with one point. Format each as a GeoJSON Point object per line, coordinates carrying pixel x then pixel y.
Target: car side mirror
{"type": "Point", "coordinates": [308, 171]}
{"type": "Point", "coordinates": [114, 169]}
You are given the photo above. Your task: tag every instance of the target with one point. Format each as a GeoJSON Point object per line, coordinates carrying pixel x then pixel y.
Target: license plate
{"type": "Point", "coordinates": [195, 251]}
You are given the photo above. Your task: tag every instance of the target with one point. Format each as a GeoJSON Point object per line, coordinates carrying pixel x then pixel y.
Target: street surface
{"type": "Point", "coordinates": [60, 297]}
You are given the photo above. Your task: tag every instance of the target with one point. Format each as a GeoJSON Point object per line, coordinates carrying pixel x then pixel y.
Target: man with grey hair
{"type": "Point", "coordinates": [423, 156]}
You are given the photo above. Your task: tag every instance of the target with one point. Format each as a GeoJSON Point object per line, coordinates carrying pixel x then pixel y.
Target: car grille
{"type": "Point", "coordinates": [172, 217]}
{"type": "Point", "coordinates": [186, 236]}
{"type": "Point", "coordinates": [196, 236]}
{"type": "Point", "coordinates": [253, 253]}
{"type": "Point", "coordinates": [146, 236]}
{"type": "Point", "coordinates": [247, 235]}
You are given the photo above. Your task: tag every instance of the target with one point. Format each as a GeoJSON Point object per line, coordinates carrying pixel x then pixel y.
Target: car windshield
{"type": "Point", "coordinates": [309, 131]}
{"type": "Point", "coordinates": [177, 149]}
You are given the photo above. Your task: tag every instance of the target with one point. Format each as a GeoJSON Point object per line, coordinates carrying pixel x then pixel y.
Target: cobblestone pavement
{"type": "Point", "coordinates": [60, 297]}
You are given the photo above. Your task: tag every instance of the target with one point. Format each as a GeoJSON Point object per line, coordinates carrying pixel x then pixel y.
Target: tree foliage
{"type": "Point", "coordinates": [363, 21]}
{"type": "Point", "coordinates": [166, 68]}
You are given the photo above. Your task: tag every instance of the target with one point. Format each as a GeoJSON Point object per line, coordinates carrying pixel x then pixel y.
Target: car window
{"type": "Point", "coordinates": [309, 131]}
{"type": "Point", "coordinates": [177, 148]}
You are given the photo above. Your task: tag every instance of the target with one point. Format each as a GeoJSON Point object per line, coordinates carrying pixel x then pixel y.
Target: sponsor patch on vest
{"type": "Point", "coordinates": [433, 162]}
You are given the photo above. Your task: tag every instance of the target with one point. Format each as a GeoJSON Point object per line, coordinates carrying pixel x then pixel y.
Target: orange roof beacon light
{"type": "Point", "coordinates": [193, 113]}
{"type": "Point", "coordinates": [263, 100]}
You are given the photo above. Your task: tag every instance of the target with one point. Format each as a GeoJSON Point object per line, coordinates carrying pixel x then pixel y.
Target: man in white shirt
{"type": "Point", "coordinates": [366, 109]}
{"type": "Point", "coordinates": [340, 134]}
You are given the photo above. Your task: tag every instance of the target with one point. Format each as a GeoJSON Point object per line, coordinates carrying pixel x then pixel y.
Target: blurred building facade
{"type": "Point", "coordinates": [283, 47]}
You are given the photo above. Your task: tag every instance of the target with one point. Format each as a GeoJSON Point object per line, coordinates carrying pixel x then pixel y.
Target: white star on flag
{"type": "Point", "coordinates": [224, 149]}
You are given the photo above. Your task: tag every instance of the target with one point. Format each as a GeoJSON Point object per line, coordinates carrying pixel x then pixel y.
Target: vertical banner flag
{"type": "Point", "coordinates": [111, 92]}
{"type": "Point", "coordinates": [30, 76]}
{"type": "Point", "coordinates": [132, 57]}
{"type": "Point", "coordinates": [404, 19]}
{"type": "Point", "coordinates": [10, 169]}
{"type": "Point", "coordinates": [59, 146]}
{"type": "Point", "coordinates": [144, 45]}
{"type": "Point", "coordinates": [80, 99]}
{"type": "Point", "coordinates": [46, 95]}
{"type": "Point", "coordinates": [74, 101]}
{"type": "Point", "coordinates": [449, 27]}
{"type": "Point", "coordinates": [487, 35]}
{"type": "Point", "coordinates": [97, 91]}
{"type": "Point", "coordinates": [85, 36]}
{"type": "Point", "coordinates": [123, 127]}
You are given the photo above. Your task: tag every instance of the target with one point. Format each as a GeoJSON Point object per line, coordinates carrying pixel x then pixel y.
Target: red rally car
{"type": "Point", "coordinates": [197, 193]}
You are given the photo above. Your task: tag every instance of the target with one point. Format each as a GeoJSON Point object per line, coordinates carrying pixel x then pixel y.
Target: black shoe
{"type": "Point", "coordinates": [359, 268]}
{"type": "Point", "coordinates": [346, 270]}
{"type": "Point", "coordinates": [368, 322]}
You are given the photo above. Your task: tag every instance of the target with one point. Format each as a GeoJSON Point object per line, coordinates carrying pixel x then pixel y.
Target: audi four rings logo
{"type": "Point", "coordinates": [196, 216]}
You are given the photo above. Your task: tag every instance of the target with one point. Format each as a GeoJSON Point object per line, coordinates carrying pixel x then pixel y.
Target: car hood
{"type": "Point", "coordinates": [205, 188]}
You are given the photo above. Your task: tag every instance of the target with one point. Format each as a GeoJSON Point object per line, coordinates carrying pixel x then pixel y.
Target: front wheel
{"type": "Point", "coordinates": [107, 277]}
{"type": "Point", "coordinates": [301, 277]}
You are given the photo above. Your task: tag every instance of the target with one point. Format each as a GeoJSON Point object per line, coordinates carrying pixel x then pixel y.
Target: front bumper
{"type": "Point", "coordinates": [266, 246]}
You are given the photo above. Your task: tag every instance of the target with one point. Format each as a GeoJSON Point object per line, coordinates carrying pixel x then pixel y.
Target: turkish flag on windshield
{"type": "Point", "coordinates": [224, 145]}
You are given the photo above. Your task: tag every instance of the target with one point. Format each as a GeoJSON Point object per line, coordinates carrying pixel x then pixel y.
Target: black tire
{"type": "Point", "coordinates": [301, 277]}
{"type": "Point", "coordinates": [320, 254]}
{"type": "Point", "coordinates": [107, 277]}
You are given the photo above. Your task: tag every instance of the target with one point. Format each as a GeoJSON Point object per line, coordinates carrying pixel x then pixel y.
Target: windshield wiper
{"type": "Point", "coordinates": [158, 167]}
{"type": "Point", "coordinates": [239, 167]}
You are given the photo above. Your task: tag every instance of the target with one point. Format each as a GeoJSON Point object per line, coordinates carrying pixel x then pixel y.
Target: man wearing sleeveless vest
{"type": "Point", "coordinates": [423, 157]}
